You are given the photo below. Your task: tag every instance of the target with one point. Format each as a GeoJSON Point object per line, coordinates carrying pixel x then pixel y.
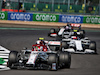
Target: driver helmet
{"type": "Point", "coordinates": [68, 24]}
{"type": "Point", "coordinates": [68, 28]}
{"type": "Point", "coordinates": [42, 42]}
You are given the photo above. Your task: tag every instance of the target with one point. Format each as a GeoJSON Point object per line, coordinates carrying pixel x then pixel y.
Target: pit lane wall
{"type": "Point", "coordinates": [21, 16]}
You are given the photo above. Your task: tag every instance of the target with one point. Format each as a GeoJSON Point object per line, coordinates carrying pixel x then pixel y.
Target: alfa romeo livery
{"type": "Point", "coordinates": [40, 57]}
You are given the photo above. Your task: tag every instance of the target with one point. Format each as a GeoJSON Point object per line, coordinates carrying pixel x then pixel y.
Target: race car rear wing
{"type": "Point", "coordinates": [54, 43]}
{"type": "Point", "coordinates": [50, 42]}
{"type": "Point", "coordinates": [75, 25]}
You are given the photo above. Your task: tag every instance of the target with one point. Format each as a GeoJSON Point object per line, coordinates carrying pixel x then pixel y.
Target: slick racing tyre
{"type": "Point", "coordinates": [82, 33]}
{"type": "Point", "coordinates": [92, 46]}
{"type": "Point", "coordinates": [53, 59]}
{"type": "Point", "coordinates": [52, 30]}
{"type": "Point", "coordinates": [64, 45]}
{"type": "Point", "coordinates": [64, 59]}
{"type": "Point", "coordinates": [58, 38]}
{"type": "Point", "coordinates": [13, 58]}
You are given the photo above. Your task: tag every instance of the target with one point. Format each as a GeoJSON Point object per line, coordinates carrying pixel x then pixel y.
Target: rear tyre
{"type": "Point", "coordinates": [64, 45]}
{"type": "Point", "coordinates": [58, 38]}
{"type": "Point", "coordinates": [52, 30]}
{"type": "Point", "coordinates": [13, 58]}
{"type": "Point", "coordinates": [52, 59]}
{"type": "Point", "coordinates": [67, 60]}
{"type": "Point", "coordinates": [64, 59]}
{"type": "Point", "coordinates": [82, 33]}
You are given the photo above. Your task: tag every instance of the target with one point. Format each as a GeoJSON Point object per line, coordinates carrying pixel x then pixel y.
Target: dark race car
{"type": "Point", "coordinates": [67, 31]}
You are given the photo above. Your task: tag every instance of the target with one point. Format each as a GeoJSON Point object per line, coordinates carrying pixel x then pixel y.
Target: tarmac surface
{"type": "Point", "coordinates": [81, 64]}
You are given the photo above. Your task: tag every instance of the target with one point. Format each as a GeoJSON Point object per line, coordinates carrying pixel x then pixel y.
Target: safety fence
{"type": "Point", "coordinates": [22, 16]}
{"type": "Point", "coordinates": [91, 7]}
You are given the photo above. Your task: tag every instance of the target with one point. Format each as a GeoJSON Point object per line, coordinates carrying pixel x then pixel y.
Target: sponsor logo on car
{"type": "Point", "coordinates": [2, 61]}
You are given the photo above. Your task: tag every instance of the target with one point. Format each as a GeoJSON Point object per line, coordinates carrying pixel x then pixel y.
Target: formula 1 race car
{"type": "Point", "coordinates": [77, 45]}
{"type": "Point", "coordinates": [40, 57]}
{"type": "Point", "coordinates": [74, 44]}
{"type": "Point", "coordinates": [68, 30]}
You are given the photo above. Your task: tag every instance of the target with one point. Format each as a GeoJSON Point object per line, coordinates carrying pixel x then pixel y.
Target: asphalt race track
{"type": "Point", "coordinates": [82, 64]}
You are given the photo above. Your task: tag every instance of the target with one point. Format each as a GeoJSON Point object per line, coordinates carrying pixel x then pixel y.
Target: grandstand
{"type": "Point", "coordinates": [56, 6]}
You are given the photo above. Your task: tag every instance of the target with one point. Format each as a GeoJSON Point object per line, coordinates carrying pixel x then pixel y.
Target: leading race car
{"type": "Point", "coordinates": [68, 30]}
{"type": "Point", "coordinates": [40, 57]}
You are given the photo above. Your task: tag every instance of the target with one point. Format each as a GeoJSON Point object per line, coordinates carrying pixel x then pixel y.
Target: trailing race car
{"type": "Point", "coordinates": [77, 45]}
{"type": "Point", "coordinates": [40, 57]}
{"type": "Point", "coordinates": [67, 31]}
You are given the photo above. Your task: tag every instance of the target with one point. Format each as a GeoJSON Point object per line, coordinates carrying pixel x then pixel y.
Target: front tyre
{"type": "Point", "coordinates": [53, 62]}
{"type": "Point", "coordinates": [92, 46]}
{"type": "Point", "coordinates": [52, 30]}
{"type": "Point", "coordinates": [13, 58]}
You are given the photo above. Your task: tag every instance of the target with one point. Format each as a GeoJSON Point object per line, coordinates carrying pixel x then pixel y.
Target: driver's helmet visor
{"type": "Point", "coordinates": [68, 27]}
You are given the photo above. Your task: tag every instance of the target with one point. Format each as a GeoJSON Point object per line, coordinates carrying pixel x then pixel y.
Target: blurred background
{"type": "Point", "coordinates": [82, 7]}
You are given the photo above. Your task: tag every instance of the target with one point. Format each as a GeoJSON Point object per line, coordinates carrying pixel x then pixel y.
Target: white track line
{"type": "Point", "coordinates": [4, 53]}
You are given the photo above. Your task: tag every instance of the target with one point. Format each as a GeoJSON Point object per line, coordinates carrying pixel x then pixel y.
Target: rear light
{"type": "Point", "coordinates": [53, 34]}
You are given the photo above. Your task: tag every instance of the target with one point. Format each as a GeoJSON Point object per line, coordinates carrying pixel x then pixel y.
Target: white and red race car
{"type": "Point", "coordinates": [40, 57]}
